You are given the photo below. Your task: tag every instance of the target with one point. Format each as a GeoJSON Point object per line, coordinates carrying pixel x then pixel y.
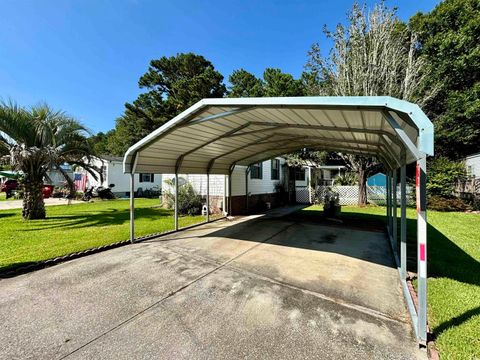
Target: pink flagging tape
{"type": "Point", "coordinates": [422, 252]}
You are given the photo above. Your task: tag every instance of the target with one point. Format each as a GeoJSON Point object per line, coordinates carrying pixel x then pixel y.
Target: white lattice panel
{"type": "Point", "coordinates": [349, 194]}
{"type": "Point", "coordinates": [302, 195]}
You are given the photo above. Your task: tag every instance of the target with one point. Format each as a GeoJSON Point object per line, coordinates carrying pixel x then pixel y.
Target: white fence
{"type": "Point", "coordinates": [349, 194]}
{"type": "Point", "coordinates": [302, 195]}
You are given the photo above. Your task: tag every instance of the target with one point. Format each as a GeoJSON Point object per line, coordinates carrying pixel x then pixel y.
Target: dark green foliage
{"type": "Point", "coordinates": [36, 140]}
{"type": "Point", "coordinates": [244, 84]}
{"type": "Point", "coordinates": [189, 201]}
{"type": "Point", "coordinates": [443, 175]}
{"type": "Point", "coordinates": [172, 85]}
{"type": "Point", "coordinates": [278, 83]}
{"type": "Point", "coordinates": [99, 142]}
{"type": "Point", "coordinates": [349, 178]}
{"type": "Point", "coordinates": [274, 83]}
{"type": "Point", "coordinates": [449, 37]}
{"type": "Point", "coordinates": [439, 203]}
{"type": "Point", "coordinates": [300, 157]}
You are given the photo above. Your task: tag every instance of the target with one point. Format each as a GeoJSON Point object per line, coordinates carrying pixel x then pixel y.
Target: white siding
{"type": "Point", "coordinates": [114, 175]}
{"type": "Point", "coordinates": [474, 163]}
{"type": "Point", "coordinates": [265, 185]}
{"type": "Point", "coordinates": [238, 181]}
{"type": "Point", "coordinates": [199, 183]}
{"type": "Point", "coordinates": [255, 186]}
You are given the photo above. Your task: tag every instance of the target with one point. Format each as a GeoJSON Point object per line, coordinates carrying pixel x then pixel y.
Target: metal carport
{"type": "Point", "coordinates": [214, 135]}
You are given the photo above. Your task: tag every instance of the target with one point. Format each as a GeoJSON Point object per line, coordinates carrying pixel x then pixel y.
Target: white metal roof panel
{"type": "Point", "coordinates": [216, 134]}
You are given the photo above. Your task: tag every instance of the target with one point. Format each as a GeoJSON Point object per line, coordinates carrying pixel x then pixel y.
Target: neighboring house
{"type": "Point", "coordinates": [56, 178]}
{"type": "Point", "coordinates": [112, 171]}
{"type": "Point", "coordinates": [470, 189]}
{"type": "Point", "coordinates": [472, 164]}
{"type": "Point", "coordinates": [328, 173]}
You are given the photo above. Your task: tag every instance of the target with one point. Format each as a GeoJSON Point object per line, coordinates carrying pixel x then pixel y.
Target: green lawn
{"type": "Point", "coordinates": [454, 274]}
{"type": "Point", "coordinates": [3, 196]}
{"type": "Point", "coordinates": [73, 228]}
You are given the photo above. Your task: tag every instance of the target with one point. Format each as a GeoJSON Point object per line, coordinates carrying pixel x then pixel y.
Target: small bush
{"type": "Point", "coordinates": [439, 203]}
{"type": "Point", "coordinates": [189, 201]}
{"type": "Point", "coordinates": [349, 178]}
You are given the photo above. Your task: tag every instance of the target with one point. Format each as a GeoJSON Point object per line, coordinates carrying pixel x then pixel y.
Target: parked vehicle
{"type": "Point", "coordinates": [11, 186]}
{"type": "Point", "coordinates": [100, 192]}
{"type": "Point", "coordinates": [8, 187]}
{"type": "Point", "coordinates": [47, 191]}
{"type": "Point", "coordinates": [88, 194]}
{"type": "Point", "coordinates": [106, 193]}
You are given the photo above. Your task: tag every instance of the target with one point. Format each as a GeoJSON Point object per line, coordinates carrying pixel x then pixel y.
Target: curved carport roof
{"type": "Point", "coordinates": [215, 134]}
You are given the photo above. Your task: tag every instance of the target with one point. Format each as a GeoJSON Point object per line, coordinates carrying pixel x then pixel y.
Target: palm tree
{"type": "Point", "coordinates": [38, 139]}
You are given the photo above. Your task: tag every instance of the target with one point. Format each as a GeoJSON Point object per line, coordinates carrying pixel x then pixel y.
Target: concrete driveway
{"type": "Point", "coordinates": [254, 288]}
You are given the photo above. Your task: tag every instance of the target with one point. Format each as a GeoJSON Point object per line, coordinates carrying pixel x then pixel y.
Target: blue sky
{"type": "Point", "coordinates": [85, 57]}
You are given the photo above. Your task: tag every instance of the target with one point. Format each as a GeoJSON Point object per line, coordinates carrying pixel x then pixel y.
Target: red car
{"type": "Point", "coordinates": [11, 185]}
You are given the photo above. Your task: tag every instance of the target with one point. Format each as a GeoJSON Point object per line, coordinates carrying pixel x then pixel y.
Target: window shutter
{"type": "Point", "coordinates": [151, 178]}
{"type": "Point", "coordinates": [140, 177]}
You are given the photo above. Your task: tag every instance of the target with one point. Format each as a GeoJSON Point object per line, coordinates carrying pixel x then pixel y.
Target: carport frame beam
{"type": "Point", "coordinates": [176, 202]}
{"type": "Point", "coordinates": [208, 197]}
{"type": "Point", "coordinates": [224, 200]}
{"type": "Point", "coordinates": [421, 192]}
{"type": "Point", "coordinates": [230, 190]}
{"type": "Point", "coordinates": [387, 191]}
{"type": "Point", "coordinates": [403, 222]}
{"type": "Point", "coordinates": [132, 208]}
{"type": "Point", "coordinates": [395, 215]}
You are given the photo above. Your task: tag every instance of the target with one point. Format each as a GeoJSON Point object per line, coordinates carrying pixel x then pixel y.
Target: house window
{"type": "Point", "coordinates": [146, 178]}
{"type": "Point", "coordinates": [300, 174]}
{"type": "Point", "coordinates": [275, 173]}
{"type": "Point", "coordinates": [256, 171]}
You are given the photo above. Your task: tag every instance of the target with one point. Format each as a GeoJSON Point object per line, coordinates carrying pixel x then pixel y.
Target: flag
{"type": "Point", "coordinates": [80, 181]}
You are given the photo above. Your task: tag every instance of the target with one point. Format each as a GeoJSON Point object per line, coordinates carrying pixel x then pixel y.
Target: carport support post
{"type": "Point", "coordinates": [176, 201]}
{"type": "Point", "coordinates": [230, 192]}
{"type": "Point", "coordinates": [403, 224]}
{"type": "Point", "coordinates": [390, 200]}
{"type": "Point", "coordinates": [387, 191]}
{"type": "Point", "coordinates": [247, 170]}
{"type": "Point", "coordinates": [310, 185]}
{"type": "Point", "coordinates": [224, 200]}
{"type": "Point", "coordinates": [421, 192]}
{"type": "Point", "coordinates": [208, 197]}
{"type": "Point", "coordinates": [132, 207]}
{"type": "Point", "coordinates": [394, 222]}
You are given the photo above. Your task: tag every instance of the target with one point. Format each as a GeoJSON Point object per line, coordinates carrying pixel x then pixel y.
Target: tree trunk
{"type": "Point", "coordinates": [362, 187]}
{"type": "Point", "coordinates": [33, 205]}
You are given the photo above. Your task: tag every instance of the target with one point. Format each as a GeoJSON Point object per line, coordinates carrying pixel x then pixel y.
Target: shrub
{"type": "Point", "coordinates": [349, 178]}
{"type": "Point", "coordinates": [439, 203]}
{"type": "Point", "coordinates": [443, 175]}
{"type": "Point", "coordinates": [189, 201]}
